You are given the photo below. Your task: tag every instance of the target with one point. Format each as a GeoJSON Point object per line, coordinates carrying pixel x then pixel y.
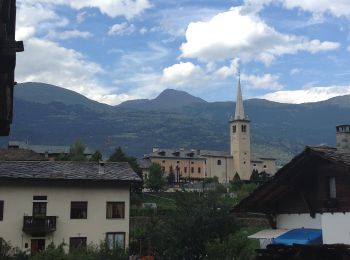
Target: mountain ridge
{"type": "Point", "coordinates": [278, 130]}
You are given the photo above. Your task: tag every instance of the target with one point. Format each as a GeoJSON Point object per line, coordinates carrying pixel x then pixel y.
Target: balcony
{"type": "Point", "coordinates": [39, 225]}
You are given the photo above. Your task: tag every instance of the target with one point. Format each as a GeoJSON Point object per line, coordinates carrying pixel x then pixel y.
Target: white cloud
{"type": "Point", "coordinates": [121, 29]}
{"type": "Point", "coordinates": [312, 94]}
{"type": "Point", "coordinates": [112, 8]}
{"type": "Point", "coordinates": [266, 81]}
{"type": "Point", "coordinates": [348, 48]}
{"type": "Point", "coordinates": [226, 71]}
{"type": "Point", "coordinates": [294, 71]}
{"type": "Point", "coordinates": [69, 34]}
{"type": "Point", "coordinates": [236, 33]}
{"type": "Point", "coordinates": [317, 7]}
{"type": "Point", "coordinates": [81, 16]}
{"type": "Point", "coordinates": [47, 62]}
{"type": "Point", "coordinates": [182, 73]}
{"type": "Point", "coordinates": [143, 30]}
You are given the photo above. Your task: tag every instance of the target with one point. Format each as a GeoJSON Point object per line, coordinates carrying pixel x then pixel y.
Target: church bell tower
{"type": "Point", "coordinates": [240, 138]}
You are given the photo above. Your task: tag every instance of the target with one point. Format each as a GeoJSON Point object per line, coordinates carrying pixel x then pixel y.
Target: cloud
{"type": "Point", "coordinates": [294, 71]}
{"type": "Point", "coordinates": [69, 34]}
{"type": "Point", "coordinates": [181, 74]}
{"type": "Point", "coordinates": [266, 81]}
{"type": "Point", "coordinates": [236, 33]}
{"type": "Point", "coordinates": [35, 17]}
{"type": "Point", "coordinates": [121, 29]}
{"type": "Point", "coordinates": [312, 94]}
{"type": "Point", "coordinates": [348, 49]}
{"type": "Point", "coordinates": [226, 71]}
{"type": "Point", "coordinates": [48, 62]}
{"type": "Point", "coordinates": [81, 16]}
{"type": "Point", "coordinates": [336, 8]}
{"type": "Point", "coordinates": [113, 8]}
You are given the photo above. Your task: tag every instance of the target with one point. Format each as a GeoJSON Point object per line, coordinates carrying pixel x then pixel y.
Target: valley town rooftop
{"type": "Point", "coordinates": [67, 171]}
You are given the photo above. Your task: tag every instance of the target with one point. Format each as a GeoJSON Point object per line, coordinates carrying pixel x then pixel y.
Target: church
{"type": "Point", "coordinates": [198, 164]}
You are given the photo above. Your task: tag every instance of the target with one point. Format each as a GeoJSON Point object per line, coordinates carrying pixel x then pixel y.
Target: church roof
{"type": "Point", "coordinates": [239, 112]}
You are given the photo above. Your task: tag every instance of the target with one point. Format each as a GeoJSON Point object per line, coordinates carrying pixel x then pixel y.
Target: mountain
{"type": "Point", "coordinates": [168, 99]}
{"type": "Point", "coordinates": [279, 130]}
{"type": "Point", "coordinates": [45, 94]}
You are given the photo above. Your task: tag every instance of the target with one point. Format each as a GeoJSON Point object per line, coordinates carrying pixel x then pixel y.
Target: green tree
{"type": "Point", "coordinates": [156, 179]}
{"type": "Point", "coordinates": [96, 157]}
{"type": "Point", "coordinates": [76, 152]}
{"type": "Point", "coordinates": [236, 183]}
{"type": "Point", "coordinates": [255, 176]}
{"type": "Point", "coordinates": [120, 156]}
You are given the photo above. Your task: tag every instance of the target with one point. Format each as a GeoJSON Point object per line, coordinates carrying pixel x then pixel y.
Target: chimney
{"type": "Point", "coordinates": [343, 138]}
{"type": "Point", "coordinates": [101, 168]}
{"type": "Point", "coordinates": [155, 149]}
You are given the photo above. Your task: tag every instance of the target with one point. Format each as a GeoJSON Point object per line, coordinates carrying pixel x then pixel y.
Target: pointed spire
{"type": "Point", "coordinates": [239, 112]}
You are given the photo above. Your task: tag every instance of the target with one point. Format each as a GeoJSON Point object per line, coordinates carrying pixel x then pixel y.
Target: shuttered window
{"type": "Point", "coordinates": [332, 188]}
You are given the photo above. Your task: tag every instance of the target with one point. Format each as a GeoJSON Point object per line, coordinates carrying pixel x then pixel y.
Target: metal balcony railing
{"type": "Point", "coordinates": [39, 224]}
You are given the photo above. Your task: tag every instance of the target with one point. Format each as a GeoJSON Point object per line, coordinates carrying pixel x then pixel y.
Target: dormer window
{"type": "Point", "coordinates": [244, 128]}
{"type": "Point", "coordinates": [332, 188]}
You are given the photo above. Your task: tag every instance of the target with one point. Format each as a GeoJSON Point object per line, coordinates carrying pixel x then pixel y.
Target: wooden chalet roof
{"type": "Point", "coordinates": [290, 178]}
{"type": "Point", "coordinates": [67, 171]}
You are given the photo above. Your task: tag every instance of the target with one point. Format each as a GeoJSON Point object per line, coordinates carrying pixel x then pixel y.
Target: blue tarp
{"type": "Point", "coordinates": [301, 236]}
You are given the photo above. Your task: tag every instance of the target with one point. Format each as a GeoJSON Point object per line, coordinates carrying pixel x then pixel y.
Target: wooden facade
{"type": "Point", "coordinates": [303, 185]}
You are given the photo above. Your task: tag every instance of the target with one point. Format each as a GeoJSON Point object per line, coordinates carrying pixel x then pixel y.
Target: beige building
{"type": "Point", "coordinates": [76, 203]}
{"type": "Point", "coordinates": [224, 165]}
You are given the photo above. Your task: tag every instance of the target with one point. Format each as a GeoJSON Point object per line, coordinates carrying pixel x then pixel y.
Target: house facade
{"type": "Point", "coordinates": [221, 164]}
{"type": "Point", "coordinates": [75, 203]}
{"type": "Point", "coordinates": [310, 192]}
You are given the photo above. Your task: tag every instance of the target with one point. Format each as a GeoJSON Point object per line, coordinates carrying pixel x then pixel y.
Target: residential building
{"type": "Point", "coordinates": [195, 163]}
{"type": "Point", "coordinates": [20, 155]}
{"type": "Point", "coordinates": [185, 164]}
{"type": "Point", "coordinates": [48, 151]}
{"type": "Point", "coordinates": [312, 193]}
{"type": "Point", "coordinates": [76, 203]}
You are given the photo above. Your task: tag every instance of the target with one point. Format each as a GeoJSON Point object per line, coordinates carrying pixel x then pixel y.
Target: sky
{"type": "Point", "coordinates": [111, 51]}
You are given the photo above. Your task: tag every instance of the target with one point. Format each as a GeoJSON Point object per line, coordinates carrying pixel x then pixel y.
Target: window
{"type": "Point", "coordinates": [244, 128]}
{"type": "Point", "coordinates": [115, 210]}
{"type": "Point", "coordinates": [163, 161]}
{"type": "Point", "coordinates": [192, 162]}
{"type": "Point", "coordinates": [77, 243]}
{"type": "Point", "coordinates": [116, 239]}
{"type": "Point", "coordinates": [192, 169]}
{"type": "Point", "coordinates": [1, 210]}
{"type": "Point", "coordinates": [199, 170]}
{"type": "Point", "coordinates": [39, 205]}
{"type": "Point", "coordinates": [178, 162]}
{"type": "Point", "coordinates": [233, 129]}
{"type": "Point", "coordinates": [332, 188]}
{"type": "Point", "coordinates": [185, 170]}
{"type": "Point", "coordinates": [265, 166]}
{"type": "Point", "coordinates": [219, 162]}
{"type": "Point", "coordinates": [78, 210]}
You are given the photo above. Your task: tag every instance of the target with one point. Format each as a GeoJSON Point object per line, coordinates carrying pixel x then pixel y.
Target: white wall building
{"type": "Point", "coordinates": [76, 203]}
